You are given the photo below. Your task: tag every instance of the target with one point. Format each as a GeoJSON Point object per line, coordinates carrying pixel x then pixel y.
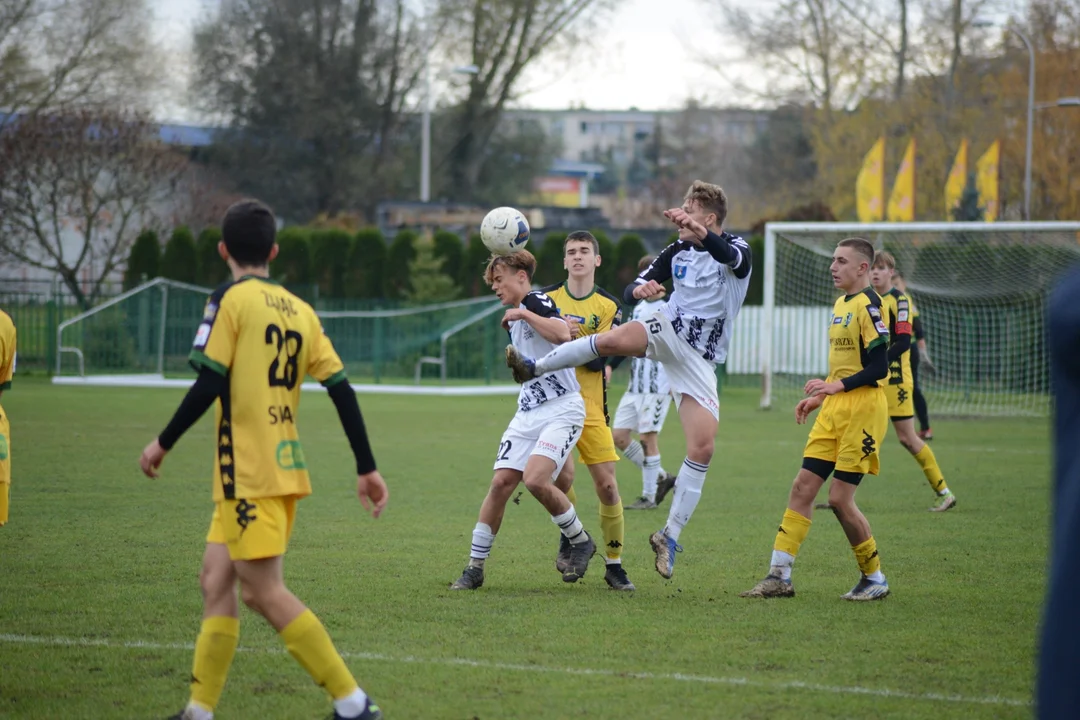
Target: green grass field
{"type": "Point", "coordinates": [100, 605]}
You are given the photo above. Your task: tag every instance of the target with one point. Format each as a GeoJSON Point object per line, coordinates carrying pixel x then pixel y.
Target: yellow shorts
{"type": "Point", "coordinates": [899, 396]}
{"type": "Point", "coordinates": [849, 430]}
{"type": "Point", "coordinates": [596, 444]}
{"type": "Point", "coordinates": [253, 529]}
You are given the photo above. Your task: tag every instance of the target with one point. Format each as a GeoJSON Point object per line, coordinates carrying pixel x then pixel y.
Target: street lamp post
{"type": "Point", "coordinates": [1030, 120]}
{"type": "Point", "coordinates": [425, 129]}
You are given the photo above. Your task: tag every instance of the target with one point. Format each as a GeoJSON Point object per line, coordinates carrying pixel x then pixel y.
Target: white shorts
{"type": "Point", "coordinates": [551, 430]}
{"type": "Point", "coordinates": [642, 412]}
{"type": "Point", "coordinates": [688, 373]}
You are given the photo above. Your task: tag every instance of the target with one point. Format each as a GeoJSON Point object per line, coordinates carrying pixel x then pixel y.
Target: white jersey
{"type": "Point", "coordinates": [532, 344]}
{"type": "Point", "coordinates": [647, 376]}
{"type": "Point", "coordinates": [710, 286]}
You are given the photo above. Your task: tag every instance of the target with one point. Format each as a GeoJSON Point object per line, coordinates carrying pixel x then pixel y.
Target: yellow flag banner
{"type": "Point", "coordinates": [957, 181]}
{"type": "Point", "coordinates": [870, 185]}
{"type": "Point", "coordinates": [987, 172]}
{"type": "Point", "coordinates": [902, 199]}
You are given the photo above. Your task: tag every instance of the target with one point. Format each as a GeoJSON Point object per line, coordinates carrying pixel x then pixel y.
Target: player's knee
{"type": "Point", "coordinates": [252, 597]}
{"type": "Point", "coordinates": [911, 443]}
{"type": "Point", "coordinates": [214, 583]}
{"type": "Point", "coordinates": [503, 483]}
{"type": "Point", "coordinates": [700, 448]}
{"type": "Point", "coordinates": [803, 488]}
{"type": "Point", "coordinates": [621, 438]}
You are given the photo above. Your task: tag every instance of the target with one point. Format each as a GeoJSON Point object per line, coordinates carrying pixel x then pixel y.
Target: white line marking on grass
{"type": "Point", "coordinates": [587, 672]}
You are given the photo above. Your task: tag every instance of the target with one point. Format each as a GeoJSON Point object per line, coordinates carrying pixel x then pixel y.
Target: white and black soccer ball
{"type": "Point", "coordinates": [504, 230]}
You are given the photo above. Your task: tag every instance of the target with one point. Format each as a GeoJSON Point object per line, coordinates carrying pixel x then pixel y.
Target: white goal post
{"type": "Point", "coordinates": [980, 289]}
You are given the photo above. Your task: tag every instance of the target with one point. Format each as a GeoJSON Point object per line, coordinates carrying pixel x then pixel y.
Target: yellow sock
{"type": "Point", "coordinates": [308, 642]}
{"type": "Point", "coordinates": [214, 652]}
{"type": "Point", "coordinates": [571, 495]}
{"type": "Point", "coordinates": [867, 557]}
{"type": "Point", "coordinates": [928, 463]}
{"type": "Point", "coordinates": [792, 532]}
{"type": "Point", "coordinates": [613, 527]}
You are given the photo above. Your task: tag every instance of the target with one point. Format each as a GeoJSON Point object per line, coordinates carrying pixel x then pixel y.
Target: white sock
{"type": "Point", "coordinates": [570, 526]}
{"type": "Point", "coordinates": [353, 705]}
{"type": "Point", "coordinates": [687, 495]}
{"type": "Point", "coordinates": [635, 453]}
{"type": "Point", "coordinates": [568, 355]}
{"type": "Point", "coordinates": [781, 564]}
{"type": "Point", "coordinates": [195, 711]}
{"type": "Point", "coordinates": [482, 540]}
{"type": "Point", "coordinates": [876, 576]}
{"type": "Point", "coordinates": [650, 472]}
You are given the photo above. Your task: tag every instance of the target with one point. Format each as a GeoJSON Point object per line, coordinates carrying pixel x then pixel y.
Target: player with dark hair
{"type": "Point", "coordinates": [847, 435]}
{"type": "Point", "coordinates": [919, 358]}
{"type": "Point", "coordinates": [543, 431]}
{"type": "Point", "coordinates": [256, 343]}
{"type": "Point", "coordinates": [710, 271]}
{"type": "Point", "coordinates": [589, 309]}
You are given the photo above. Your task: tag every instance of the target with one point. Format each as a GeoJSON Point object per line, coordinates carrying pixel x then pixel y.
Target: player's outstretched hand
{"type": "Point", "coordinates": [807, 406]}
{"type": "Point", "coordinates": [651, 290]}
{"type": "Point", "coordinates": [151, 458]}
{"type": "Point", "coordinates": [371, 488]}
{"type": "Point", "coordinates": [683, 220]}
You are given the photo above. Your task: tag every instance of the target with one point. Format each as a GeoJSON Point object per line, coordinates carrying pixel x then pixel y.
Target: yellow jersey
{"type": "Point", "coordinates": [856, 328]}
{"type": "Point", "coordinates": [896, 308]}
{"type": "Point", "coordinates": [265, 340]}
{"type": "Point", "coordinates": [7, 350]}
{"type": "Point", "coordinates": [597, 312]}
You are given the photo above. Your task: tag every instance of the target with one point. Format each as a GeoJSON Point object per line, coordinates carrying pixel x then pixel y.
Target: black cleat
{"type": "Point", "coordinates": [371, 712]}
{"type": "Point", "coordinates": [664, 486]}
{"type": "Point", "coordinates": [562, 559]}
{"type": "Point", "coordinates": [522, 368]}
{"type": "Point", "coordinates": [616, 578]}
{"type": "Point", "coordinates": [580, 555]}
{"type": "Point", "coordinates": [472, 577]}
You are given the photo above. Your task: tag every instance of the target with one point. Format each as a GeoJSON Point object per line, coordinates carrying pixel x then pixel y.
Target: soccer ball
{"type": "Point", "coordinates": [504, 231]}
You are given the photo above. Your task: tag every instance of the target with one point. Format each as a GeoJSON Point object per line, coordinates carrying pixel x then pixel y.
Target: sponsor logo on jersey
{"type": "Point", "coordinates": [576, 318]}
{"type": "Point", "coordinates": [202, 335]}
{"type": "Point", "coordinates": [847, 319]}
{"type": "Point", "coordinates": [836, 319]}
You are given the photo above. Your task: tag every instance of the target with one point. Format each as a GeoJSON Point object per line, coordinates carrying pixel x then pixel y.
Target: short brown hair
{"type": "Point", "coordinates": [861, 246]}
{"type": "Point", "coordinates": [710, 197]}
{"type": "Point", "coordinates": [520, 260]}
{"type": "Point", "coordinates": [645, 262]}
{"type": "Point", "coordinates": [885, 259]}
{"type": "Point", "coordinates": [582, 236]}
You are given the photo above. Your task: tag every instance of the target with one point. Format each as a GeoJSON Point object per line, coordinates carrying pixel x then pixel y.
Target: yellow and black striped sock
{"type": "Point", "coordinates": [866, 555]}
{"type": "Point", "coordinates": [792, 532]}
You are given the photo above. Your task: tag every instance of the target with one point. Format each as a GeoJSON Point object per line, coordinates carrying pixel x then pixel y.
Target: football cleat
{"type": "Point", "coordinates": [562, 559]}
{"type": "Point", "coordinates": [472, 577]}
{"type": "Point", "coordinates": [616, 577]}
{"type": "Point", "coordinates": [580, 555]}
{"type": "Point", "coordinates": [773, 586]}
{"type": "Point", "coordinates": [867, 589]}
{"type": "Point", "coordinates": [522, 368]}
{"type": "Point", "coordinates": [944, 502]}
{"type": "Point", "coordinates": [665, 549]}
{"type": "Point", "coordinates": [664, 486]}
{"type": "Point", "coordinates": [926, 435]}
{"type": "Point", "coordinates": [642, 503]}
{"type": "Point", "coordinates": [371, 712]}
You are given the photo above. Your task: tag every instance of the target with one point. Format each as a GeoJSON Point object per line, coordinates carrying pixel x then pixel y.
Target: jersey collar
{"type": "Point", "coordinates": [857, 294]}
{"type": "Point", "coordinates": [566, 287]}
{"type": "Point", "coordinates": [272, 281]}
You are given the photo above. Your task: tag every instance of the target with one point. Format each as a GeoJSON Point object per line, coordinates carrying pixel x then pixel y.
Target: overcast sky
{"type": "Point", "coordinates": [647, 56]}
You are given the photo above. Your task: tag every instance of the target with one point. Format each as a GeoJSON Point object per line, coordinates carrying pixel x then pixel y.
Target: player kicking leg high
{"type": "Point", "coordinates": [255, 345]}
{"type": "Point", "coordinates": [642, 409]}
{"type": "Point", "coordinates": [900, 389]}
{"type": "Point", "coordinates": [589, 309]}
{"type": "Point", "coordinates": [847, 435]}
{"type": "Point", "coordinates": [545, 428]}
{"type": "Point", "coordinates": [710, 271]}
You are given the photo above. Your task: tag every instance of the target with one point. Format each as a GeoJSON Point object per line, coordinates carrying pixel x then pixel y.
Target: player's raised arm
{"type": "Point", "coordinates": [731, 250]}
{"type": "Point", "coordinates": [540, 312]}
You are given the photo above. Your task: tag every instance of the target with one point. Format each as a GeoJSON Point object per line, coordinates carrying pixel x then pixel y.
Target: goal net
{"type": "Point", "coordinates": [149, 330]}
{"type": "Point", "coordinates": [980, 290]}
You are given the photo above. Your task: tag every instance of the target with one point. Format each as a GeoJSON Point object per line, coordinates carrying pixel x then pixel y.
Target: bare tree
{"type": "Point", "coordinates": [75, 189]}
{"type": "Point", "coordinates": [502, 38]}
{"type": "Point", "coordinates": [65, 53]}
